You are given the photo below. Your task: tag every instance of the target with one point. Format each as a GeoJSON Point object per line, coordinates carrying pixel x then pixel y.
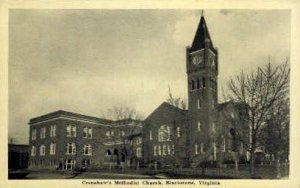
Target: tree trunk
{"type": "Point", "coordinates": [278, 174]}
{"type": "Point", "coordinates": [236, 167]}
{"type": "Point", "coordinates": [155, 166]}
{"type": "Point", "coordinates": [236, 163]}
{"type": "Point", "coordinates": [252, 164]}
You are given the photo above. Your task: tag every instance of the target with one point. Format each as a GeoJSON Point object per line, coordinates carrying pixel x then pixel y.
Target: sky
{"type": "Point", "coordinates": [87, 61]}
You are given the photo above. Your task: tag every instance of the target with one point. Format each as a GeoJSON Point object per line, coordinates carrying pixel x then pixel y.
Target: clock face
{"type": "Point", "coordinates": [197, 59]}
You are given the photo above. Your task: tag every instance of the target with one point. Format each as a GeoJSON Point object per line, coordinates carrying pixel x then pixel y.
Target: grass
{"type": "Point", "coordinates": [261, 172]}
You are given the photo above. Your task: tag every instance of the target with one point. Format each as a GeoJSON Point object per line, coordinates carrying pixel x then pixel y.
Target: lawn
{"type": "Point", "coordinates": [261, 172]}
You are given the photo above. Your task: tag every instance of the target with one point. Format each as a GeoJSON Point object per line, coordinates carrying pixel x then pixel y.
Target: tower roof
{"type": "Point", "coordinates": [201, 37]}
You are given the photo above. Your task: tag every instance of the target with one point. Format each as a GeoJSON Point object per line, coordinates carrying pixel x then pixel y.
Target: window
{"type": "Point", "coordinates": [214, 151]}
{"type": "Point", "coordinates": [232, 115]}
{"type": "Point", "coordinates": [203, 82]}
{"type": "Point", "coordinates": [198, 83]}
{"type": "Point", "coordinates": [196, 149]}
{"type": "Point", "coordinates": [108, 153]}
{"type": "Point", "coordinates": [178, 132]}
{"type": "Point", "coordinates": [71, 148]}
{"type": "Point", "coordinates": [52, 148]}
{"type": "Point", "coordinates": [42, 150]}
{"type": "Point", "coordinates": [199, 126]}
{"type": "Point", "coordinates": [198, 104]}
{"type": "Point", "coordinates": [69, 164]}
{"type": "Point", "coordinates": [159, 150]}
{"type": "Point", "coordinates": [87, 149]}
{"type": "Point", "coordinates": [164, 150]}
{"type": "Point", "coordinates": [168, 149]}
{"type": "Point", "coordinates": [43, 132]}
{"type": "Point", "coordinates": [173, 149]}
{"type": "Point", "coordinates": [193, 84]}
{"type": "Point", "coordinates": [123, 133]}
{"type": "Point", "coordinates": [213, 127]}
{"type": "Point", "coordinates": [139, 141]}
{"type": "Point", "coordinates": [87, 132]}
{"type": "Point", "coordinates": [33, 134]}
{"type": "Point", "coordinates": [154, 150]}
{"type": "Point", "coordinates": [164, 133]}
{"type": "Point", "coordinates": [150, 135]}
{"type": "Point", "coordinates": [201, 148]}
{"type": "Point", "coordinates": [139, 152]}
{"type": "Point", "coordinates": [107, 133]}
{"type": "Point", "coordinates": [71, 131]}
{"type": "Point", "coordinates": [85, 163]}
{"type": "Point", "coordinates": [33, 151]}
{"type": "Point", "coordinates": [52, 130]}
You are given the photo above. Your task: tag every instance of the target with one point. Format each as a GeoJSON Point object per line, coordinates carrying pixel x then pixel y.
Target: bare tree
{"type": "Point", "coordinates": [258, 93]}
{"type": "Point", "coordinates": [275, 133]}
{"type": "Point", "coordinates": [176, 101]}
{"type": "Point", "coordinates": [121, 112]}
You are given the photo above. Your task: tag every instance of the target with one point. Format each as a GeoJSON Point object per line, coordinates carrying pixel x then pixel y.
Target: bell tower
{"type": "Point", "coordinates": [202, 73]}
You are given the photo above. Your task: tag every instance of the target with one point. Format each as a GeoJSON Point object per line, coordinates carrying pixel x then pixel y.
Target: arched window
{"type": "Point", "coordinates": [198, 104]}
{"type": "Point", "coordinates": [193, 84]}
{"type": "Point", "coordinates": [116, 152]}
{"type": "Point", "coordinates": [164, 133]}
{"type": "Point", "coordinates": [203, 82]}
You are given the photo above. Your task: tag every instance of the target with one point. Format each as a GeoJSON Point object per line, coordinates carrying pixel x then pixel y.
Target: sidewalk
{"type": "Point", "coordinates": [111, 175]}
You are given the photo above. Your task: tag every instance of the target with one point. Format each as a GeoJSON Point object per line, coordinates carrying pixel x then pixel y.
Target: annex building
{"type": "Point", "coordinates": [168, 136]}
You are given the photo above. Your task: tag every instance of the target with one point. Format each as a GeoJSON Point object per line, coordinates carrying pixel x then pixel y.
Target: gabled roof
{"type": "Point", "coordinates": [166, 107]}
{"type": "Point", "coordinates": [201, 36]}
{"type": "Point", "coordinates": [233, 104]}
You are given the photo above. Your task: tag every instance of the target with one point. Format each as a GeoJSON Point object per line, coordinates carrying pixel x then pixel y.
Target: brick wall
{"type": "Point", "coordinates": [170, 116]}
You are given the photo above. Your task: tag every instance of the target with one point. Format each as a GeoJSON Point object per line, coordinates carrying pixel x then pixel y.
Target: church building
{"type": "Point", "coordinates": [204, 132]}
